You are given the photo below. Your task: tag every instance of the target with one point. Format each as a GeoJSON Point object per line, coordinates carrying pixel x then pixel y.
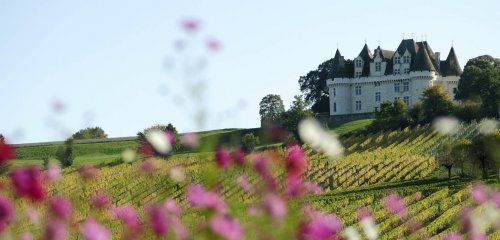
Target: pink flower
{"type": "Point", "coordinates": [28, 183]}
{"type": "Point", "coordinates": [172, 207]}
{"type": "Point", "coordinates": [190, 140]}
{"type": "Point", "coordinates": [6, 212]}
{"type": "Point", "coordinates": [190, 25]}
{"type": "Point", "coordinates": [477, 236]}
{"type": "Point", "coordinates": [198, 197]}
{"type": "Point", "coordinates": [26, 236]}
{"type": "Point", "coordinates": [88, 172]}
{"type": "Point", "coordinates": [479, 193]}
{"type": "Point", "coordinates": [275, 206]}
{"type": "Point", "coordinates": [296, 160]}
{"type": "Point", "coordinates": [239, 157]}
{"type": "Point", "coordinates": [53, 173]}
{"type": "Point", "coordinates": [321, 226]}
{"type": "Point", "coordinates": [148, 166]}
{"type": "Point", "coordinates": [245, 184]}
{"type": "Point", "coordinates": [311, 187]}
{"type": "Point", "coordinates": [223, 157]}
{"type": "Point", "coordinates": [127, 215]}
{"type": "Point", "coordinates": [363, 213]}
{"type": "Point", "coordinates": [495, 197]}
{"type": "Point", "coordinates": [99, 200]}
{"type": "Point", "coordinates": [32, 215]}
{"type": "Point", "coordinates": [92, 230]}
{"type": "Point", "coordinates": [293, 185]}
{"type": "Point", "coordinates": [261, 166]}
{"type": "Point", "coordinates": [55, 230]}
{"type": "Point", "coordinates": [452, 236]}
{"type": "Point", "coordinates": [213, 44]}
{"type": "Point", "coordinates": [6, 152]}
{"type": "Point", "coordinates": [226, 227]}
{"type": "Point", "coordinates": [395, 205]}
{"type": "Point", "coordinates": [61, 207]}
{"type": "Point", "coordinates": [158, 217]}
{"type": "Point", "coordinates": [178, 228]}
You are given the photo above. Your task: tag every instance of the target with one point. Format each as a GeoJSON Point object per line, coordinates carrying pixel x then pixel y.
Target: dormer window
{"type": "Point", "coordinates": [397, 71]}
{"type": "Point", "coordinates": [378, 67]}
{"type": "Point", "coordinates": [406, 59]}
{"type": "Point", "coordinates": [358, 63]}
{"type": "Point", "coordinates": [407, 70]}
{"type": "Point", "coordinates": [397, 60]}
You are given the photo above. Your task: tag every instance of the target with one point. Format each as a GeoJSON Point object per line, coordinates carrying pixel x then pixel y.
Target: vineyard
{"type": "Point", "coordinates": [398, 161]}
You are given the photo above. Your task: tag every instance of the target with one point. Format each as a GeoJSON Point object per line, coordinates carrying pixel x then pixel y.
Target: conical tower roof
{"type": "Point", "coordinates": [451, 65]}
{"type": "Point", "coordinates": [423, 61]}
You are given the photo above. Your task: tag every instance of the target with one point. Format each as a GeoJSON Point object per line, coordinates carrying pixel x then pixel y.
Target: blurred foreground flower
{"type": "Point", "coordinates": [227, 227]}
{"type": "Point", "coordinates": [61, 207]}
{"type": "Point", "coordinates": [320, 226]}
{"type": "Point", "coordinates": [88, 172]}
{"type": "Point", "coordinates": [198, 197]}
{"type": "Point", "coordinates": [446, 125]}
{"type": "Point", "coordinates": [6, 212]}
{"type": "Point", "coordinates": [6, 152]}
{"type": "Point", "coordinates": [487, 126]}
{"type": "Point", "coordinates": [177, 174]}
{"type": "Point", "coordinates": [190, 25]}
{"type": "Point", "coordinates": [28, 182]}
{"type": "Point", "coordinates": [395, 205]}
{"type": "Point", "coordinates": [99, 200]}
{"type": "Point", "coordinates": [314, 135]}
{"type": "Point", "coordinates": [160, 141]}
{"type": "Point", "coordinates": [129, 155]}
{"type": "Point", "coordinates": [53, 173]}
{"type": "Point", "coordinates": [127, 215]}
{"type": "Point", "coordinates": [92, 230]}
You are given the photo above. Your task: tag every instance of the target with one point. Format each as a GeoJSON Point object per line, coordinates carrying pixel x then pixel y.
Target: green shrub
{"type": "Point", "coordinates": [249, 142]}
{"type": "Point", "coordinates": [65, 153]}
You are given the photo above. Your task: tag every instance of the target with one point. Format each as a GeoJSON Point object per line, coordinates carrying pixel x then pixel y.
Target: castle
{"type": "Point", "coordinates": [361, 85]}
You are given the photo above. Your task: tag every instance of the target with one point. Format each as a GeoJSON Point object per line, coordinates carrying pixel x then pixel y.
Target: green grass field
{"type": "Point", "coordinates": [107, 152]}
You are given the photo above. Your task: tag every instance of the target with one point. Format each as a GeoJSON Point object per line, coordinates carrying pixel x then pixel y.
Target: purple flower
{"type": "Point", "coordinates": [100, 200]}
{"type": "Point", "coordinates": [92, 230]}
{"type": "Point", "coordinates": [452, 236]}
{"type": "Point", "coordinates": [190, 25]}
{"type": "Point", "coordinates": [479, 193]}
{"type": "Point", "coordinates": [227, 227]}
{"type": "Point", "coordinates": [245, 184]}
{"type": "Point", "coordinates": [213, 44]}
{"type": "Point", "coordinates": [296, 160]}
{"type": "Point", "coordinates": [395, 205]}
{"type": "Point", "coordinates": [55, 230]}
{"type": "Point", "coordinates": [28, 183]}
{"type": "Point", "coordinates": [172, 207]}
{"type": "Point", "coordinates": [158, 218]}
{"type": "Point", "coordinates": [53, 173]}
{"type": "Point", "coordinates": [223, 157]}
{"type": "Point", "coordinates": [127, 215]}
{"type": "Point", "coordinates": [6, 152]}
{"type": "Point", "coordinates": [6, 212]}
{"type": "Point", "coordinates": [495, 197]}
{"type": "Point", "coordinates": [61, 207]}
{"type": "Point", "coordinates": [198, 197]}
{"type": "Point", "coordinates": [239, 157]}
{"type": "Point", "coordinates": [320, 227]}
{"type": "Point", "coordinates": [275, 206]}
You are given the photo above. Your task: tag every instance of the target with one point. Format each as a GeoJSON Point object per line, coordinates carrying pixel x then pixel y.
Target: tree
{"type": "Point", "coordinates": [436, 103]}
{"type": "Point", "coordinates": [90, 133]}
{"type": "Point", "coordinates": [416, 114]}
{"type": "Point", "coordinates": [481, 78]}
{"type": "Point", "coordinates": [271, 108]}
{"type": "Point", "coordinates": [141, 136]}
{"type": "Point", "coordinates": [390, 116]}
{"type": "Point", "coordinates": [249, 142]}
{"type": "Point", "coordinates": [298, 110]}
{"type": "Point", "coordinates": [460, 153]}
{"type": "Point", "coordinates": [484, 152]}
{"type": "Point", "coordinates": [313, 85]}
{"type": "Point", "coordinates": [470, 109]}
{"type": "Point", "coordinates": [65, 153]}
{"type": "Point", "coordinates": [445, 158]}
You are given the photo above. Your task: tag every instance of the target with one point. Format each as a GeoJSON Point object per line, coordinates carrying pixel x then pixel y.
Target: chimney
{"type": "Point", "coordinates": [438, 60]}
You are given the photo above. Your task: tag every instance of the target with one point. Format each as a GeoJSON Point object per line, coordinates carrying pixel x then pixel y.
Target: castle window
{"type": "Point", "coordinates": [396, 98]}
{"type": "Point", "coordinates": [397, 87]}
{"type": "Point", "coordinates": [406, 100]}
{"type": "Point", "coordinates": [334, 107]}
{"type": "Point", "coordinates": [378, 67]}
{"type": "Point", "coordinates": [406, 86]}
{"type": "Point", "coordinates": [397, 60]}
{"type": "Point", "coordinates": [358, 63]}
{"type": "Point", "coordinates": [357, 74]}
{"type": "Point", "coordinates": [397, 71]}
{"type": "Point", "coordinates": [407, 70]}
{"type": "Point", "coordinates": [358, 105]}
{"type": "Point", "coordinates": [377, 97]}
{"type": "Point", "coordinates": [358, 90]}
{"type": "Point", "coordinates": [406, 59]}
{"type": "Point", "coordinates": [334, 92]}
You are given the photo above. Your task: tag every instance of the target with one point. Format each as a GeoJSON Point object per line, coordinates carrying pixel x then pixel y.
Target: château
{"type": "Point", "coordinates": [361, 85]}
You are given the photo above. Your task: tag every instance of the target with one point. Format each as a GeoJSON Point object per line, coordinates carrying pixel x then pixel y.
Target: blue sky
{"type": "Point", "coordinates": [105, 60]}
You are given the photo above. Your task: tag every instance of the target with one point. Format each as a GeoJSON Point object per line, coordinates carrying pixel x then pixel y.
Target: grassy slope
{"type": "Point", "coordinates": [106, 152]}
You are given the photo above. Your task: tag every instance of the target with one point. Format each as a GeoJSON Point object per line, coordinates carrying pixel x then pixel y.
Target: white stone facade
{"type": "Point", "coordinates": [374, 90]}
